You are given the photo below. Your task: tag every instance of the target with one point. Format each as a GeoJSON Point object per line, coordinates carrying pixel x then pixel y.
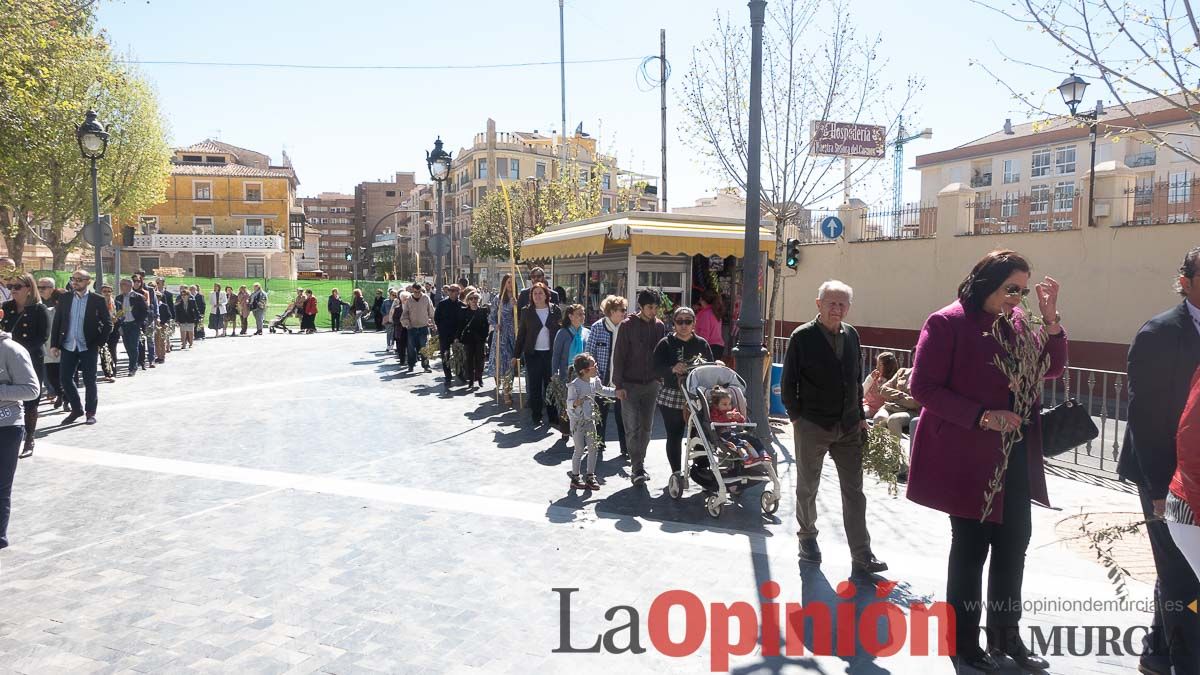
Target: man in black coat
{"type": "Point", "coordinates": [133, 312]}
{"type": "Point", "coordinates": [448, 317]}
{"type": "Point", "coordinates": [1162, 359]}
{"type": "Point", "coordinates": [81, 325]}
{"type": "Point", "coordinates": [537, 275]}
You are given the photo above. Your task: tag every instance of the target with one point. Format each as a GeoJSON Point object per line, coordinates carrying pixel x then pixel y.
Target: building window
{"type": "Point", "coordinates": [540, 171]}
{"type": "Point", "coordinates": [1064, 196]}
{"type": "Point", "coordinates": [1064, 160]}
{"type": "Point", "coordinates": [1038, 225]}
{"type": "Point", "coordinates": [1064, 224]}
{"type": "Point", "coordinates": [202, 190]}
{"type": "Point", "coordinates": [1039, 199]}
{"type": "Point", "coordinates": [253, 227]}
{"type": "Point", "coordinates": [605, 205]}
{"type": "Point", "coordinates": [1179, 187]}
{"type": "Point", "coordinates": [147, 224]}
{"type": "Point", "coordinates": [1012, 171]}
{"type": "Point", "coordinates": [1041, 163]}
{"type": "Point", "coordinates": [202, 225]}
{"type": "Point", "coordinates": [1008, 207]}
{"type": "Point", "coordinates": [389, 193]}
{"type": "Point", "coordinates": [193, 158]}
{"type": "Point", "coordinates": [481, 169]}
{"type": "Point", "coordinates": [514, 168]}
{"type": "Point", "coordinates": [148, 263]}
{"type": "Point", "coordinates": [253, 192]}
{"type": "Point", "coordinates": [214, 159]}
{"type": "Point", "coordinates": [481, 192]}
{"type": "Point", "coordinates": [256, 268]}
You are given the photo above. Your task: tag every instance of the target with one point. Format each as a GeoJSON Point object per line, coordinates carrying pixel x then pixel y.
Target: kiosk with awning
{"type": "Point", "coordinates": [680, 255]}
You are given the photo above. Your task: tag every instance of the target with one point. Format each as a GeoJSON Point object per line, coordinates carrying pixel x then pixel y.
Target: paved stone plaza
{"type": "Point", "coordinates": [299, 504]}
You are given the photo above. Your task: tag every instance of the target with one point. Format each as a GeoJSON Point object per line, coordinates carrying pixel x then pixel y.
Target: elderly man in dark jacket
{"type": "Point", "coordinates": [448, 317]}
{"type": "Point", "coordinates": [1162, 359]}
{"type": "Point", "coordinates": [81, 324]}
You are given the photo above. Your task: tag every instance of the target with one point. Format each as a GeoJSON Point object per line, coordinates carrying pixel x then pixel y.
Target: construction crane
{"type": "Point", "coordinates": [898, 177]}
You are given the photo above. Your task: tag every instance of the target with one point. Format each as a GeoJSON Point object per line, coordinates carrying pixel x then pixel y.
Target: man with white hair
{"type": "Point", "coordinates": [822, 390]}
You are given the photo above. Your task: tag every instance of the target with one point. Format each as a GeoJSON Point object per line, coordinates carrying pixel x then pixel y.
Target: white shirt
{"type": "Point", "coordinates": [1195, 312]}
{"type": "Point", "coordinates": [542, 344]}
{"type": "Point", "coordinates": [216, 301]}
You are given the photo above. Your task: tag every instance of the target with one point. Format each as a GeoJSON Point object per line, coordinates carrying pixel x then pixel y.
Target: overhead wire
{"type": "Point", "coordinates": [325, 66]}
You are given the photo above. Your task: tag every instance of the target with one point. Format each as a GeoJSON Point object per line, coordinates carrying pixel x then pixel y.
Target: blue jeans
{"type": "Point", "coordinates": [131, 337]}
{"type": "Point", "coordinates": [85, 362]}
{"type": "Point", "coordinates": [417, 337]}
{"type": "Point", "coordinates": [10, 445]}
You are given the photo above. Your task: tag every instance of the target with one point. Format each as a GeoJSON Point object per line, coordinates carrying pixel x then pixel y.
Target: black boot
{"type": "Point", "coordinates": [31, 418]}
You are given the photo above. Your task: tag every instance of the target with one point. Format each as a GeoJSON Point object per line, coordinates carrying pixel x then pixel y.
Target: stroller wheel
{"type": "Point", "coordinates": [769, 501]}
{"type": "Point", "coordinates": [714, 506]}
{"type": "Point", "coordinates": [675, 486]}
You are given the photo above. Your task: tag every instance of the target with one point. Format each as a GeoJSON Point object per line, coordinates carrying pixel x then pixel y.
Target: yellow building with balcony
{"type": "Point", "coordinates": [228, 213]}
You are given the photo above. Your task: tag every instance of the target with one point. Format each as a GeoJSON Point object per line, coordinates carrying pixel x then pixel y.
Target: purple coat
{"type": "Point", "coordinates": [955, 380]}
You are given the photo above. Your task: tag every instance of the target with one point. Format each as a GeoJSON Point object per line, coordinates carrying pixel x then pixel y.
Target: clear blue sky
{"type": "Point", "coordinates": [344, 126]}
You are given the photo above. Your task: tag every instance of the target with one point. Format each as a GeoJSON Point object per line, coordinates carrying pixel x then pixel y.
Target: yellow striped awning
{"type": "Point", "coordinates": [646, 233]}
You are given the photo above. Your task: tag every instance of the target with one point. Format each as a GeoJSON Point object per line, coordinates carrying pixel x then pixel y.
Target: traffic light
{"type": "Point", "coordinates": [348, 255]}
{"type": "Point", "coordinates": [793, 253]}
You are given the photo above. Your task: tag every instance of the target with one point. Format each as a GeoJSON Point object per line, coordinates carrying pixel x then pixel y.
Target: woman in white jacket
{"type": "Point", "coordinates": [216, 304]}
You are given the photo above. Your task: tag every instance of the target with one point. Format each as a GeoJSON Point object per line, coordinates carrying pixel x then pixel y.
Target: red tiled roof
{"type": "Point", "coordinates": [227, 170]}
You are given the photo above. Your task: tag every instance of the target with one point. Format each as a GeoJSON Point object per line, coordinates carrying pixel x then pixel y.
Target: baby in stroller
{"type": "Point", "coordinates": [723, 412]}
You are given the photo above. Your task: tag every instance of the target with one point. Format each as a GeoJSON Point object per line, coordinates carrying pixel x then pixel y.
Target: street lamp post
{"type": "Point", "coordinates": [749, 350]}
{"type": "Point", "coordinates": [438, 162]}
{"type": "Point", "coordinates": [1072, 90]}
{"type": "Point", "coordinates": [93, 142]}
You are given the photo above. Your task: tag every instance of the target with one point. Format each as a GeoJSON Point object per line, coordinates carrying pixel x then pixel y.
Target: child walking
{"type": "Point", "coordinates": [581, 399]}
{"type": "Point", "coordinates": [722, 411]}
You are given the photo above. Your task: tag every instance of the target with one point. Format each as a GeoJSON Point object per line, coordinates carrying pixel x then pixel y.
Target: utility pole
{"type": "Point", "coordinates": [562, 71]}
{"type": "Point", "coordinates": [749, 351]}
{"type": "Point", "coordinates": [662, 85]}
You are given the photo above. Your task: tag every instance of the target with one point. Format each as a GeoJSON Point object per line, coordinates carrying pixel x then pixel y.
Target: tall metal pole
{"type": "Point", "coordinates": [441, 231]}
{"type": "Point", "coordinates": [562, 71]}
{"type": "Point", "coordinates": [749, 350]}
{"type": "Point", "coordinates": [96, 221]}
{"type": "Point", "coordinates": [1092, 175]}
{"type": "Point", "coordinates": [662, 85]}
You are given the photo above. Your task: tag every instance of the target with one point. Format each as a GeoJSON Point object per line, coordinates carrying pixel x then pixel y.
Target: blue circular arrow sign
{"type": "Point", "coordinates": [832, 227]}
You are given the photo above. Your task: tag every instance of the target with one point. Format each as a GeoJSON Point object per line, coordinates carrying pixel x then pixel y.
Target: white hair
{"type": "Point", "coordinates": [835, 286]}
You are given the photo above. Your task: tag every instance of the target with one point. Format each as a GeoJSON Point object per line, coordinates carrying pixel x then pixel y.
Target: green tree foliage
{"type": "Point", "coordinates": [53, 68]}
{"type": "Point", "coordinates": [572, 195]}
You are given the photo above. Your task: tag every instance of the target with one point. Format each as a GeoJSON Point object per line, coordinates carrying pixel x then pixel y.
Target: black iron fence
{"type": "Point", "coordinates": [806, 227]}
{"type": "Point", "coordinates": [915, 221]}
{"type": "Point", "coordinates": [1176, 200]}
{"type": "Point", "coordinates": [1047, 208]}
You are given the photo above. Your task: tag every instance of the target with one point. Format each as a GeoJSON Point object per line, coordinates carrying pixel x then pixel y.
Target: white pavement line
{"type": "Point", "coordinates": [236, 390]}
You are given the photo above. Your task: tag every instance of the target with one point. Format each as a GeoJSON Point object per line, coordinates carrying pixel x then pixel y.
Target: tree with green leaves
{"type": "Point", "coordinates": [572, 195]}
{"type": "Point", "coordinates": [52, 70]}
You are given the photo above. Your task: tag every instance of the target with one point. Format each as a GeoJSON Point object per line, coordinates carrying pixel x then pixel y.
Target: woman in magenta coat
{"type": "Point", "coordinates": [957, 447]}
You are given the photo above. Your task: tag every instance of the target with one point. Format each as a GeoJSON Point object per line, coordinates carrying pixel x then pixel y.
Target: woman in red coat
{"type": "Point", "coordinates": [957, 447]}
{"type": "Point", "coordinates": [308, 321]}
{"type": "Point", "coordinates": [1183, 502]}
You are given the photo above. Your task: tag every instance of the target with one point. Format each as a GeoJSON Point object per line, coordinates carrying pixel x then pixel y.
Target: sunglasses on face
{"type": "Point", "coordinates": [45, 288]}
{"type": "Point", "coordinates": [683, 322]}
{"type": "Point", "coordinates": [1013, 290]}
{"type": "Point", "coordinates": [14, 287]}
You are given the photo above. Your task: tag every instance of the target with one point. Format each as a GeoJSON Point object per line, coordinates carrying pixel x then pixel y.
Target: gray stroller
{"type": "Point", "coordinates": [705, 453]}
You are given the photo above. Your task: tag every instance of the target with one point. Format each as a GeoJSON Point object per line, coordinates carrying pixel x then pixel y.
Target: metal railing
{"type": "Point", "coordinates": [915, 221]}
{"type": "Point", "coordinates": [806, 227]}
{"type": "Point", "coordinates": [1147, 158]}
{"type": "Point", "coordinates": [981, 180]}
{"type": "Point", "coordinates": [211, 242]}
{"type": "Point", "coordinates": [1157, 203]}
{"type": "Point", "coordinates": [1051, 210]}
{"type": "Point", "coordinates": [1104, 393]}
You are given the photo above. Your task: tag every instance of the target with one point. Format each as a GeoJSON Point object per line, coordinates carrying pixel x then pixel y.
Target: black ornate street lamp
{"type": "Point", "coordinates": [438, 162]}
{"type": "Point", "coordinates": [749, 351]}
{"type": "Point", "coordinates": [93, 142]}
{"type": "Point", "coordinates": [1072, 90]}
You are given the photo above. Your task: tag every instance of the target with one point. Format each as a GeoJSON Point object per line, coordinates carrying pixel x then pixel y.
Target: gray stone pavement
{"type": "Point", "coordinates": [299, 504]}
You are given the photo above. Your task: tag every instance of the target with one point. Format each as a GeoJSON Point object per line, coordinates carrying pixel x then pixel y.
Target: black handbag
{"type": "Point", "coordinates": [1066, 426]}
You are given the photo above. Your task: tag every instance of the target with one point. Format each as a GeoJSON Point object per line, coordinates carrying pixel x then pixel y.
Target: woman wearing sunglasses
{"type": "Point", "coordinates": [956, 450]}
{"type": "Point", "coordinates": [26, 320]}
{"type": "Point", "coordinates": [671, 359]}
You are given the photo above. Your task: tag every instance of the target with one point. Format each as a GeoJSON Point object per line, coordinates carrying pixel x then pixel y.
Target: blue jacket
{"type": "Point", "coordinates": [560, 357]}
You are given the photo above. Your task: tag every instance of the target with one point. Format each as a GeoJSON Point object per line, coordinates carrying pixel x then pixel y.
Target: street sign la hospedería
{"type": "Point", "coordinates": [845, 139]}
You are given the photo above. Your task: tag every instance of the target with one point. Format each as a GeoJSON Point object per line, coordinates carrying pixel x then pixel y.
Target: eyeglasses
{"type": "Point", "coordinates": [1013, 290]}
{"type": "Point", "coordinates": [683, 322]}
{"type": "Point", "coordinates": [80, 280]}
{"type": "Point", "coordinates": [45, 288]}
{"type": "Point", "coordinates": [14, 287]}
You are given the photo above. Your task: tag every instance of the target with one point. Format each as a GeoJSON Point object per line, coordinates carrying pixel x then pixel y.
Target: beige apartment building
{"type": "Point", "coordinates": [1026, 190]}
{"type": "Point", "coordinates": [495, 157]}
{"type": "Point", "coordinates": [335, 215]}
